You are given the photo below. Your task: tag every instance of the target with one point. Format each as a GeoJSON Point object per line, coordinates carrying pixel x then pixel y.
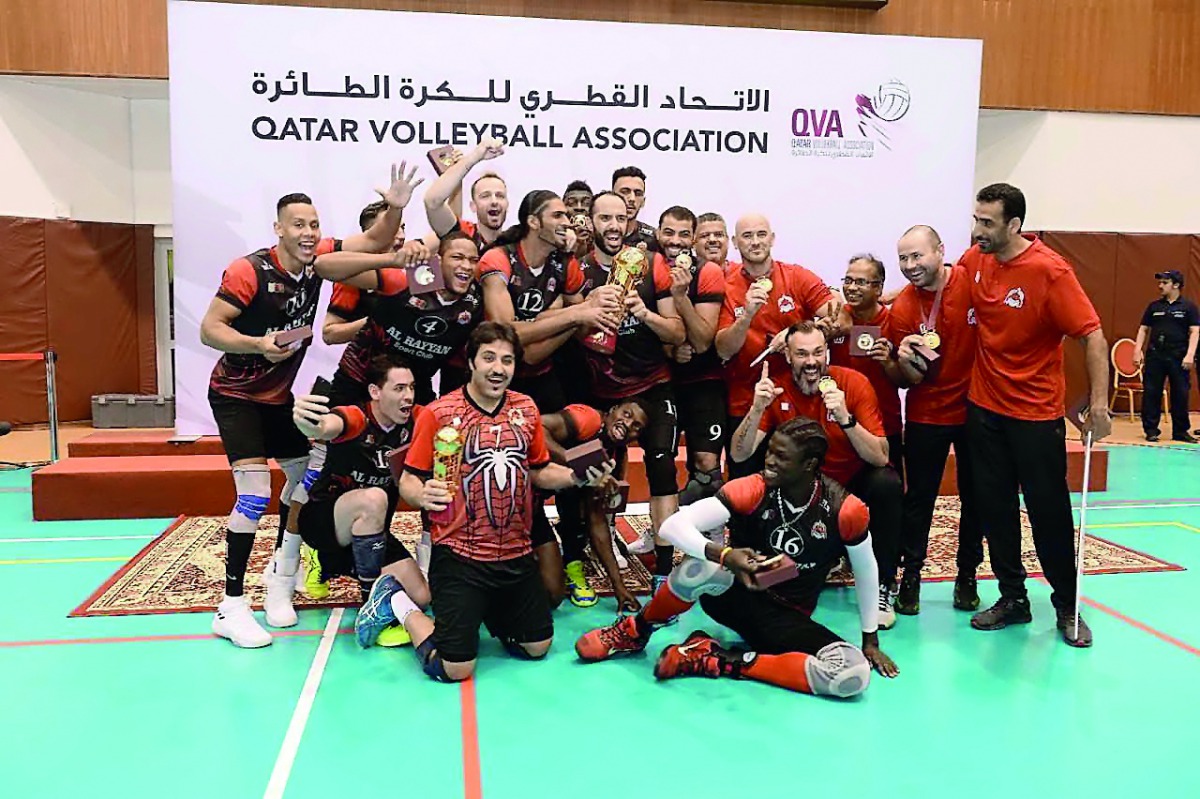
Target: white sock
{"type": "Point", "coordinates": [228, 601]}
{"type": "Point", "coordinates": [402, 605]}
{"type": "Point", "coordinates": [287, 559]}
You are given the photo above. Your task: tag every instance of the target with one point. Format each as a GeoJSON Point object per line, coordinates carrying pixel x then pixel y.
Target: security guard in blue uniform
{"type": "Point", "coordinates": [1170, 326]}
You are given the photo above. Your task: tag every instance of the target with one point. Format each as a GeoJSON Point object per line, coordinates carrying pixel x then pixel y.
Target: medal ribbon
{"type": "Point", "coordinates": [930, 322]}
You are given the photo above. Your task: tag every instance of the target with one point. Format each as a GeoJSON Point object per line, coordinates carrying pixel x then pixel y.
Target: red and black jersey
{"type": "Point", "coordinates": [815, 535]}
{"type": "Point", "coordinates": [492, 510]}
{"type": "Point", "coordinates": [423, 328]}
{"type": "Point", "coordinates": [707, 286]}
{"type": "Point", "coordinates": [471, 230]}
{"type": "Point", "coordinates": [271, 300]}
{"type": "Point", "coordinates": [644, 237]}
{"type": "Point", "coordinates": [639, 360]}
{"type": "Point", "coordinates": [532, 290]}
{"type": "Point", "coordinates": [350, 303]}
{"type": "Point", "coordinates": [358, 458]}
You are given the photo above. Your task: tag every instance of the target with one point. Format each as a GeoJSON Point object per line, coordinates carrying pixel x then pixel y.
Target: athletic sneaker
{"type": "Point", "coordinates": [314, 585]}
{"type": "Point", "coordinates": [278, 604]}
{"type": "Point", "coordinates": [619, 638]}
{"type": "Point", "coordinates": [908, 599]}
{"type": "Point", "coordinates": [1005, 612]}
{"type": "Point", "coordinates": [1066, 626]}
{"type": "Point", "coordinates": [582, 595]}
{"type": "Point", "coordinates": [393, 635]}
{"type": "Point", "coordinates": [376, 613]}
{"type": "Point", "coordinates": [644, 545]}
{"type": "Point", "coordinates": [698, 656]}
{"type": "Point", "coordinates": [887, 614]}
{"type": "Point", "coordinates": [233, 620]}
{"type": "Point", "coordinates": [966, 593]}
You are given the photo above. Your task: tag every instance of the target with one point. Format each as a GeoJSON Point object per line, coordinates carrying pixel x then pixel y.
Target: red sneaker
{"type": "Point", "coordinates": [620, 638]}
{"type": "Point", "coordinates": [698, 656]}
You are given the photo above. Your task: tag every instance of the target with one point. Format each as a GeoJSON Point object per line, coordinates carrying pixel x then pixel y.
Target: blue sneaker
{"type": "Point", "coordinates": [658, 581]}
{"type": "Point", "coordinates": [376, 613]}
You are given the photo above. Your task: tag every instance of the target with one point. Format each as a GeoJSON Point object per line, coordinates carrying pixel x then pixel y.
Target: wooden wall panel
{"type": "Point", "coordinates": [1139, 56]}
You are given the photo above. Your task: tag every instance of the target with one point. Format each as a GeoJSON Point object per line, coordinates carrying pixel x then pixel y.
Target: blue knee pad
{"type": "Point", "coordinates": [518, 651]}
{"type": "Point", "coordinates": [253, 485]}
{"type": "Point", "coordinates": [430, 662]}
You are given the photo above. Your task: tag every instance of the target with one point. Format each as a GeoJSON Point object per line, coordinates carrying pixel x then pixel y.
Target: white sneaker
{"type": "Point", "coordinates": [887, 614]}
{"type": "Point", "coordinates": [233, 620]}
{"type": "Point", "coordinates": [622, 561]}
{"type": "Point", "coordinates": [278, 604]}
{"type": "Point", "coordinates": [643, 546]}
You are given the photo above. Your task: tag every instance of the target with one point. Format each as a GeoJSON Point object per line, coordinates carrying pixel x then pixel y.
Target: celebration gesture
{"type": "Point", "coordinates": [401, 189]}
{"type": "Point", "coordinates": [765, 390]}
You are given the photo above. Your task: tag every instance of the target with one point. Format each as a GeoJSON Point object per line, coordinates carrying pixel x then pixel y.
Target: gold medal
{"type": "Point", "coordinates": [865, 342]}
{"type": "Point", "coordinates": [765, 284]}
{"type": "Point", "coordinates": [579, 222]}
{"type": "Point", "coordinates": [683, 260]}
{"type": "Point", "coordinates": [826, 383]}
{"type": "Point", "coordinates": [932, 339]}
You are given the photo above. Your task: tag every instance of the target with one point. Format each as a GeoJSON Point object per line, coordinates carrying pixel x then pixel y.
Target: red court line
{"type": "Point", "coordinates": [1091, 603]}
{"type": "Point", "coordinates": [472, 781]}
{"type": "Point", "coordinates": [140, 639]}
{"type": "Point", "coordinates": [22, 356]}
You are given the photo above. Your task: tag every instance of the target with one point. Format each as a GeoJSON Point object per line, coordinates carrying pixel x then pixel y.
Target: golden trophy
{"type": "Point", "coordinates": [447, 460]}
{"type": "Point", "coordinates": [628, 269]}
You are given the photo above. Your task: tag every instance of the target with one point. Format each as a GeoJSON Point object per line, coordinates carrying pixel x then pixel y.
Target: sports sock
{"type": "Point", "coordinates": [786, 670]}
{"type": "Point", "coordinates": [402, 605]}
{"type": "Point", "coordinates": [368, 560]}
{"type": "Point", "coordinates": [284, 510]}
{"type": "Point", "coordinates": [664, 559]}
{"type": "Point", "coordinates": [288, 557]}
{"type": "Point", "coordinates": [237, 557]}
{"type": "Point", "coordinates": [663, 606]}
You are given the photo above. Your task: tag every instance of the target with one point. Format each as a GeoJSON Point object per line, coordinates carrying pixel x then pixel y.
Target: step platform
{"type": "Point", "coordinates": [140, 474]}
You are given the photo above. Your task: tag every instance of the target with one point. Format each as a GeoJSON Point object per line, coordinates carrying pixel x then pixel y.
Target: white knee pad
{"type": "Point", "coordinates": [312, 466]}
{"type": "Point", "coordinates": [839, 669]}
{"type": "Point", "coordinates": [694, 577]}
{"type": "Point", "coordinates": [253, 486]}
{"type": "Point", "coordinates": [294, 470]}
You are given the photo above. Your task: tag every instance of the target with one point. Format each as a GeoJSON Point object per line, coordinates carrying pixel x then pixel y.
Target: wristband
{"type": "Point", "coordinates": [724, 552]}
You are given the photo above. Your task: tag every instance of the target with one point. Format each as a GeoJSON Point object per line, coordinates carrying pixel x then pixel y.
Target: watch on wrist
{"type": "Point", "coordinates": [850, 422]}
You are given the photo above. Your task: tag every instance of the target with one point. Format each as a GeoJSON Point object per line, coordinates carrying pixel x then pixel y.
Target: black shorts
{"type": "Point", "coordinates": [546, 391]}
{"type": "Point", "coordinates": [659, 440]}
{"type": "Point", "coordinates": [508, 596]}
{"type": "Point", "coordinates": [702, 414]}
{"type": "Point", "coordinates": [319, 531]}
{"type": "Point", "coordinates": [765, 625]}
{"type": "Point", "coordinates": [256, 430]}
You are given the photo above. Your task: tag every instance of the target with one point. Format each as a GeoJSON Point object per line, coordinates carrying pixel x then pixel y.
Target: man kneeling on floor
{"type": "Point", "coordinates": [476, 457]}
{"type": "Point", "coordinates": [787, 510]}
{"type": "Point", "coordinates": [348, 516]}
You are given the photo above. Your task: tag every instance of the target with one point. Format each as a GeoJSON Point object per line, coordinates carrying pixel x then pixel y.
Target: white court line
{"type": "Point", "coordinates": [77, 538]}
{"type": "Point", "coordinates": [295, 730]}
{"type": "Point", "coordinates": [1149, 505]}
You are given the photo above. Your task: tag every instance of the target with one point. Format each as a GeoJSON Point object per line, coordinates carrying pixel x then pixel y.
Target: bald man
{"type": "Point", "coordinates": [763, 298]}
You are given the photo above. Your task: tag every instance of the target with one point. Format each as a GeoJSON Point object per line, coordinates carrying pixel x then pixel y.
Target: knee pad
{"type": "Point", "coordinates": [293, 477]}
{"type": "Point", "coordinates": [839, 669]}
{"type": "Point", "coordinates": [518, 651]}
{"type": "Point", "coordinates": [253, 486]}
{"type": "Point", "coordinates": [660, 473]}
{"type": "Point", "coordinates": [694, 577]}
{"type": "Point", "coordinates": [312, 470]}
{"type": "Point", "coordinates": [701, 485]}
{"type": "Point", "coordinates": [431, 664]}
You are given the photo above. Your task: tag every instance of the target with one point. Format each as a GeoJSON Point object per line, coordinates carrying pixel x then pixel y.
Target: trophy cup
{"type": "Point", "coordinates": [628, 269]}
{"type": "Point", "coordinates": [447, 458]}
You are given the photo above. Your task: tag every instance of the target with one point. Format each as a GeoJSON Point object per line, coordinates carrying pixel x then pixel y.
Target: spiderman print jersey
{"type": "Point", "coordinates": [490, 516]}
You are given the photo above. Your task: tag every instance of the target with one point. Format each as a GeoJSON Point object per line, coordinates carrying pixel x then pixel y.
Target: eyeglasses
{"type": "Point", "coordinates": [860, 282]}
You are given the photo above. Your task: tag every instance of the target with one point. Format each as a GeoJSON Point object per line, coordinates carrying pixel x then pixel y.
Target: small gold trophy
{"type": "Point", "coordinates": [447, 458]}
{"type": "Point", "coordinates": [628, 269]}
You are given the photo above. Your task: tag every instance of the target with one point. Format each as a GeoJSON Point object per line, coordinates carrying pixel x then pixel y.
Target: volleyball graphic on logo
{"type": "Point", "coordinates": [891, 101]}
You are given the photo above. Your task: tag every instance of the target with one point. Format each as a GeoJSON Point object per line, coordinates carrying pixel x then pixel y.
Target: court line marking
{"type": "Point", "coordinates": [295, 730]}
{"type": "Point", "coordinates": [77, 538]}
{"type": "Point", "coordinates": [1130, 525]}
{"type": "Point", "coordinates": [13, 490]}
{"type": "Point", "coordinates": [44, 561]}
{"type": "Point", "coordinates": [1091, 603]}
{"type": "Point", "coordinates": [472, 777]}
{"type": "Point", "coordinates": [142, 639]}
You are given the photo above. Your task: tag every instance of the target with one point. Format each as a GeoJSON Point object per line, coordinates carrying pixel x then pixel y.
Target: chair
{"type": "Point", "coordinates": [1127, 378]}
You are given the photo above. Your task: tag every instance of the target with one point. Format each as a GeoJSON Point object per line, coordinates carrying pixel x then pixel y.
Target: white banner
{"type": "Point", "coordinates": [843, 141]}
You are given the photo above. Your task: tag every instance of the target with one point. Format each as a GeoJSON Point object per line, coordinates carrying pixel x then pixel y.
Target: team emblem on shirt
{"type": "Point", "coordinates": [818, 530]}
{"type": "Point", "coordinates": [1015, 298]}
{"type": "Point", "coordinates": [550, 284]}
{"type": "Point", "coordinates": [970, 316]}
{"type": "Point", "coordinates": [416, 302]}
{"type": "Point", "coordinates": [464, 318]}
{"type": "Point", "coordinates": [739, 312]}
{"type": "Point", "coordinates": [516, 417]}
{"type": "Point", "coordinates": [786, 304]}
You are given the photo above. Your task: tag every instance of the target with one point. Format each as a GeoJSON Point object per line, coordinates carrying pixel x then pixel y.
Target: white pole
{"type": "Point", "coordinates": [52, 402]}
{"type": "Point", "coordinates": [1087, 476]}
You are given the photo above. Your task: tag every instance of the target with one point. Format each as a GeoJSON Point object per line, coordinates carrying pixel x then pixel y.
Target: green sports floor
{"type": "Point", "coordinates": [154, 706]}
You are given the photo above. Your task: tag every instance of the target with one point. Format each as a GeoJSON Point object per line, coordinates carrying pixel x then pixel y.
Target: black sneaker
{"type": "Point", "coordinates": [1185, 438]}
{"type": "Point", "coordinates": [1152, 437]}
{"type": "Point", "coordinates": [908, 600]}
{"type": "Point", "coordinates": [1066, 626]}
{"type": "Point", "coordinates": [966, 593]}
{"type": "Point", "coordinates": [1005, 612]}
